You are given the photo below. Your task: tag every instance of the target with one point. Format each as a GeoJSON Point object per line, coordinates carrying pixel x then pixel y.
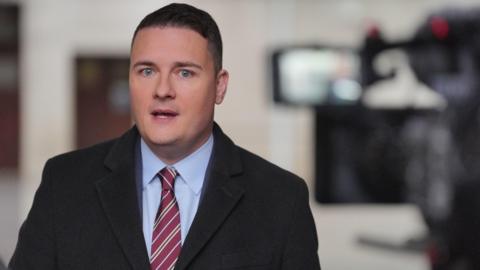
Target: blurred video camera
{"type": "Point", "coordinates": [442, 60]}
{"type": "Point", "coordinates": [371, 150]}
{"type": "Point", "coordinates": [443, 53]}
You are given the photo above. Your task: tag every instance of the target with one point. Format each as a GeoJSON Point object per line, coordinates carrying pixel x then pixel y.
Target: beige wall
{"type": "Point", "coordinates": [54, 31]}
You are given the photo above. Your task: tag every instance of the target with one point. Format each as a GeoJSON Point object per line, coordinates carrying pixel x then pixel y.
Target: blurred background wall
{"type": "Point", "coordinates": [57, 36]}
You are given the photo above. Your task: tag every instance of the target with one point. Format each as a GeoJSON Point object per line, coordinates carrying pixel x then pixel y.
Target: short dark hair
{"type": "Point", "coordinates": [183, 15]}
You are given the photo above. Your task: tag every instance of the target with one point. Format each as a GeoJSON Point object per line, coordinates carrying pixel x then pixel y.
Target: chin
{"type": "Point", "coordinates": [162, 142]}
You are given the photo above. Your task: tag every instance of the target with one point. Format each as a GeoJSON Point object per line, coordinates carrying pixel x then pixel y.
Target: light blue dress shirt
{"type": "Point", "coordinates": [188, 186]}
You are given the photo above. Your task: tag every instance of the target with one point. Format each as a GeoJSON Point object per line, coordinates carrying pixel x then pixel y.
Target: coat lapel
{"type": "Point", "coordinates": [118, 195]}
{"type": "Point", "coordinates": [221, 196]}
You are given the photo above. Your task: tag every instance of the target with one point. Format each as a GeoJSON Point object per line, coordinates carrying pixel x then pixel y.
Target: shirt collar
{"type": "Point", "coordinates": [192, 168]}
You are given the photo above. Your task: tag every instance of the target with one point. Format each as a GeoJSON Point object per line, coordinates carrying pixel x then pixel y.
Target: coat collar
{"type": "Point", "coordinates": [118, 195]}
{"type": "Point", "coordinates": [123, 150]}
{"type": "Point", "coordinates": [220, 196]}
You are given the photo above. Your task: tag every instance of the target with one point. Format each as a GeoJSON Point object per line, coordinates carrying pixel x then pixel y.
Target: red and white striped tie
{"type": "Point", "coordinates": [166, 238]}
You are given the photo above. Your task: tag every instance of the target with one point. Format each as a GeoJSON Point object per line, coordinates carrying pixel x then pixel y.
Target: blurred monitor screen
{"type": "Point", "coordinates": [316, 76]}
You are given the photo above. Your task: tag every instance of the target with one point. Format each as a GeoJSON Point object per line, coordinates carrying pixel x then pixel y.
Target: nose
{"type": "Point", "coordinates": [164, 88]}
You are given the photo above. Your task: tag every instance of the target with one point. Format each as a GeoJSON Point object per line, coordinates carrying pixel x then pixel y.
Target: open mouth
{"type": "Point", "coordinates": [164, 113]}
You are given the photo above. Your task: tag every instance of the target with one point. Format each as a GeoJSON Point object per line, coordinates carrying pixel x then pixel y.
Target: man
{"type": "Point", "coordinates": [174, 191]}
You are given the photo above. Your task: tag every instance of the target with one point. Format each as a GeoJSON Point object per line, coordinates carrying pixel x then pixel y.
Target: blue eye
{"type": "Point", "coordinates": [185, 73]}
{"type": "Point", "coordinates": [146, 72]}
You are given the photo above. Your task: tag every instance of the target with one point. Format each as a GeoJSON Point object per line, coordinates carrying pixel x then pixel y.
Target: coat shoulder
{"type": "Point", "coordinates": [260, 168]}
{"type": "Point", "coordinates": [84, 157]}
{"type": "Point", "coordinates": [109, 153]}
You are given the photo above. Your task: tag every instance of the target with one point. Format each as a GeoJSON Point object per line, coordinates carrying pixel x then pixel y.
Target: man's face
{"type": "Point", "coordinates": [173, 90]}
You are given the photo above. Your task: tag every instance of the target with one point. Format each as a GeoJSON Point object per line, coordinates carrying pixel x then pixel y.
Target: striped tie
{"type": "Point", "coordinates": [166, 238]}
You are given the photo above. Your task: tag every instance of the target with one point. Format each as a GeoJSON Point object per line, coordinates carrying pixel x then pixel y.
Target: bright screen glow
{"type": "Point", "coordinates": [319, 76]}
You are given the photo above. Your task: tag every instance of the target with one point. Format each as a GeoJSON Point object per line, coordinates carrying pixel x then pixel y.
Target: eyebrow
{"type": "Point", "coordinates": [188, 64]}
{"type": "Point", "coordinates": [178, 64]}
{"type": "Point", "coordinates": [143, 63]}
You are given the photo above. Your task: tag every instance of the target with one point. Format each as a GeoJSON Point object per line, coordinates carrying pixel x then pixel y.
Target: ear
{"type": "Point", "coordinates": [222, 82]}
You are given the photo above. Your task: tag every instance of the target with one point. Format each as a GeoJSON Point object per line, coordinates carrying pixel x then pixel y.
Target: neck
{"type": "Point", "coordinates": [171, 154]}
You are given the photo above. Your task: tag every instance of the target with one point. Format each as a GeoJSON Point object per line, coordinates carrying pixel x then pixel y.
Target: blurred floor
{"type": "Point", "coordinates": [341, 227]}
{"type": "Point", "coordinates": [8, 214]}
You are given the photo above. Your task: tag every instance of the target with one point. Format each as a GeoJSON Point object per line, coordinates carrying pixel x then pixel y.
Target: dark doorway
{"type": "Point", "coordinates": [103, 109]}
{"type": "Point", "coordinates": [9, 87]}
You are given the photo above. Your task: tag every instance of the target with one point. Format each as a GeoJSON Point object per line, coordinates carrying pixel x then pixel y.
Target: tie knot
{"type": "Point", "coordinates": [167, 178]}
